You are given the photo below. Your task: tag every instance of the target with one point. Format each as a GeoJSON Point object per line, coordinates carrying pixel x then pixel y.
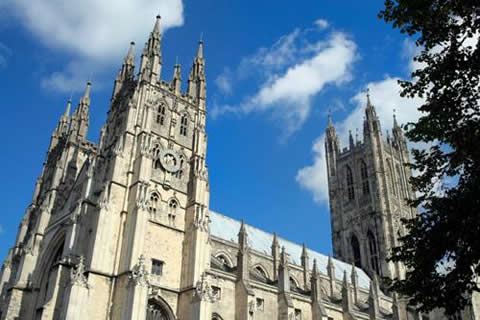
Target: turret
{"type": "Point", "coordinates": [275, 255]}
{"type": "Point", "coordinates": [242, 256]}
{"type": "Point", "coordinates": [81, 118]}
{"type": "Point", "coordinates": [331, 275]}
{"type": "Point", "coordinates": [371, 124]}
{"type": "Point", "coordinates": [177, 79]}
{"type": "Point", "coordinates": [332, 147]}
{"type": "Point", "coordinates": [151, 62]}
{"type": "Point", "coordinates": [318, 310]}
{"type": "Point", "coordinates": [346, 294]}
{"type": "Point", "coordinates": [283, 272]}
{"type": "Point", "coordinates": [304, 261]}
{"type": "Point", "coordinates": [127, 72]}
{"type": "Point", "coordinates": [197, 87]}
{"type": "Point", "coordinates": [373, 300]}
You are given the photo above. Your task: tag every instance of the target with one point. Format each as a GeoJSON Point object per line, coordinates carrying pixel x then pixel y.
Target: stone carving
{"type": "Point", "coordinates": [170, 160]}
{"type": "Point", "coordinates": [203, 290]}
{"type": "Point", "coordinates": [202, 221]}
{"type": "Point", "coordinates": [139, 274]}
{"type": "Point", "coordinates": [77, 274]}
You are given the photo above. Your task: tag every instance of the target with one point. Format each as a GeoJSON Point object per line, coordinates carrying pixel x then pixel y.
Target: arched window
{"type": "Point", "coordinates": [392, 180]}
{"type": "Point", "coordinates": [224, 261]}
{"type": "Point", "coordinates": [179, 173]}
{"type": "Point", "coordinates": [372, 245]}
{"type": "Point", "coordinates": [357, 258]}
{"type": "Point", "coordinates": [154, 202]}
{"type": "Point", "coordinates": [400, 186]}
{"type": "Point", "coordinates": [161, 115]}
{"type": "Point", "coordinates": [216, 316]}
{"type": "Point", "coordinates": [350, 186]}
{"type": "Point", "coordinates": [155, 311]}
{"type": "Point", "coordinates": [261, 272]}
{"type": "Point", "coordinates": [293, 284]}
{"type": "Point", "coordinates": [183, 125]}
{"type": "Point", "coordinates": [364, 174]}
{"type": "Point", "coordinates": [172, 210]}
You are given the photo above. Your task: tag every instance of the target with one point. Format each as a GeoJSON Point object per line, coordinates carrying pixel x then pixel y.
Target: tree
{"type": "Point", "coordinates": [441, 249]}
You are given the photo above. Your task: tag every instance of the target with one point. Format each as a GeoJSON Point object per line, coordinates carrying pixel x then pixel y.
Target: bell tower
{"type": "Point", "coordinates": [368, 188]}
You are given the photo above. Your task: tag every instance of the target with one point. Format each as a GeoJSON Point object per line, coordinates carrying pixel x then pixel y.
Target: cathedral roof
{"type": "Point", "coordinates": [226, 228]}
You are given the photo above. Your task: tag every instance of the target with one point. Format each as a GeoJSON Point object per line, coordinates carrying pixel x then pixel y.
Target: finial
{"type": "Point", "coordinates": [395, 123]}
{"type": "Point", "coordinates": [345, 279]}
{"type": "Point", "coordinates": [200, 49]}
{"type": "Point", "coordinates": [87, 89]}
{"type": "Point", "coordinates": [369, 103]}
{"type": "Point", "coordinates": [356, 135]}
{"type": "Point", "coordinates": [330, 122]}
{"type": "Point", "coordinates": [131, 50]}
{"type": "Point", "coordinates": [315, 268]}
{"type": "Point", "coordinates": [156, 28]}
{"type": "Point", "coordinates": [69, 105]}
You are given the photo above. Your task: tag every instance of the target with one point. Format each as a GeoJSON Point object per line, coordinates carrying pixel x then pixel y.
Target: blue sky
{"type": "Point", "coordinates": [274, 68]}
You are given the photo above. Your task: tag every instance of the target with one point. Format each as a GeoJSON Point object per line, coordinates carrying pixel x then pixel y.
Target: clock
{"type": "Point", "coordinates": [170, 160]}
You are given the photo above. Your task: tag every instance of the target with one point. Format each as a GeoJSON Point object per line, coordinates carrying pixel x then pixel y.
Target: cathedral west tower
{"type": "Point", "coordinates": [368, 188]}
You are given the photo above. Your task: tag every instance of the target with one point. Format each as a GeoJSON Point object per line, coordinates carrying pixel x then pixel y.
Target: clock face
{"type": "Point", "coordinates": [170, 161]}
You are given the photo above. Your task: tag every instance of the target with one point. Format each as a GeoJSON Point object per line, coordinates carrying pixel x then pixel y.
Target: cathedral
{"type": "Point", "coordinates": [121, 229]}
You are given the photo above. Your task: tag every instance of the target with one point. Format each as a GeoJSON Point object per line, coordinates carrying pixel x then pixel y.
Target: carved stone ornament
{"type": "Point", "coordinates": [139, 274]}
{"type": "Point", "coordinates": [170, 160]}
{"type": "Point", "coordinates": [203, 290]}
{"type": "Point", "coordinates": [77, 274]}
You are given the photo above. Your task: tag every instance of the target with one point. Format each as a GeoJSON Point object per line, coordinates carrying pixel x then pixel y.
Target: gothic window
{"type": "Point", "coordinates": [350, 186]}
{"type": "Point", "coordinates": [392, 181]}
{"type": "Point", "coordinates": [364, 174]}
{"type": "Point", "coordinates": [215, 316]}
{"type": "Point", "coordinates": [179, 173]}
{"type": "Point", "coordinates": [172, 210]}
{"type": "Point", "coordinates": [357, 259]}
{"type": "Point", "coordinates": [372, 244]}
{"type": "Point", "coordinates": [261, 271]}
{"type": "Point", "coordinates": [293, 284]}
{"type": "Point", "coordinates": [399, 181]}
{"type": "Point", "coordinates": [183, 125]}
{"type": "Point", "coordinates": [157, 267]}
{"type": "Point", "coordinates": [155, 311]}
{"type": "Point", "coordinates": [161, 115]}
{"type": "Point", "coordinates": [154, 202]}
{"type": "Point", "coordinates": [157, 164]}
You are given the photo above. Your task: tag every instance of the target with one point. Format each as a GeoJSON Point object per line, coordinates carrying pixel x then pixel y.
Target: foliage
{"type": "Point", "coordinates": [442, 248]}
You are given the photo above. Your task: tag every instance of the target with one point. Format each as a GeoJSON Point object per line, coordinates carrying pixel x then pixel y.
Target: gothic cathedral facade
{"type": "Point", "coordinates": [121, 229]}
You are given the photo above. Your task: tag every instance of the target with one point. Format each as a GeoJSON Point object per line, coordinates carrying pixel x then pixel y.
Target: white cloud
{"type": "Point", "coordinates": [294, 70]}
{"type": "Point", "coordinates": [224, 82]}
{"type": "Point", "coordinates": [321, 24]}
{"type": "Point", "coordinates": [95, 33]}
{"type": "Point", "coordinates": [385, 97]}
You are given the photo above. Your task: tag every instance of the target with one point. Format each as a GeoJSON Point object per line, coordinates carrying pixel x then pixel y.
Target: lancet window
{"type": "Point", "coordinates": [350, 185]}
{"type": "Point", "coordinates": [161, 115]}
{"type": "Point", "coordinates": [183, 125]}
{"type": "Point", "coordinates": [357, 258]}
{"type": "Point", "coordinates": [364, 175]}
{"type": "Point", "coordinates": [155, 311]}
{"type": "Point", "coordinates": [154, 203]}
{"type": "Point", "coordinates": [372, 244]}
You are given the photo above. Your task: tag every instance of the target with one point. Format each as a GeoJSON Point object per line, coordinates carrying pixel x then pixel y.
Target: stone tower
{"type": "Point", "coordinates": [368, 188]}
{"type": "Point", "coordinates": [109, 222]}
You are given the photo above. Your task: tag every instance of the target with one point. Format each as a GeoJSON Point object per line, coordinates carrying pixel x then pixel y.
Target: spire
{"type": "Point", "coordinates": [373, 301]}
{"type": "Point", "coordinates": [151, 63]}
{"type": "Point", "coordinates": [284, 272]}
{"type": "Point", "coordinates": [242, 255]}
{"type": "Point", "coordinates": [331, 275]}
{"type": "Point", "coordinates": [350, 139]}
{"type": "Point", "coordinates": [275, 255]}
{"type": "Point", "coordinates": [177, 79]}
{"type": "Point", "coordinates": [200, 50]}
{"type": "Point", "coordinates": [81, 118]}
{"type": "Point", "coordinates": [371, 124]}
{"type": "Point", "coordinates": [67, 109]}
{"type": "Point", "coordinates": [346, 294]}
{"type": "Point", "coordinates": [156, 28]}
{"type": "Point", "coordinates": [242, 236]}
{"type": "Point", "coordinates": [354, 278]}
{"type": "Point", "coordinates": [86, 95]}
{"type": "Point", "coordinates": [196, 87]}
{"type": "Point", "coordinates": [318, 310]}
{"type": "Point", "coordinates": [304, 259]}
